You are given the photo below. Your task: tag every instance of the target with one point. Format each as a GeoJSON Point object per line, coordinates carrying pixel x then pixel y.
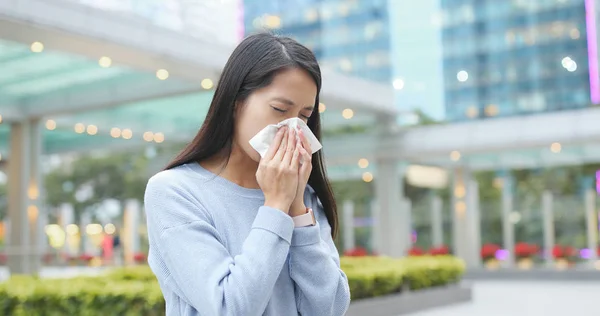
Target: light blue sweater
{"type": "Point", "coordinates": [217, 250]}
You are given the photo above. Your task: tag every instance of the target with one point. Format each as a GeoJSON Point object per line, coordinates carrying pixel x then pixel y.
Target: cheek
{"type": "Point", "coordinates": [247, 126]}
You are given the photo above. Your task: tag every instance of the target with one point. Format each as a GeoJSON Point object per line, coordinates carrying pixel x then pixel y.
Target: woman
{"type": "Point", "coordinates": [221, 219]}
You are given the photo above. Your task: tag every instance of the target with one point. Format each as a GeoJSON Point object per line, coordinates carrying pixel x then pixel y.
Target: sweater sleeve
{"type": "Point", "coordinates": [321, 286]}
{"type": "Point", "coordinates": [200, 267]}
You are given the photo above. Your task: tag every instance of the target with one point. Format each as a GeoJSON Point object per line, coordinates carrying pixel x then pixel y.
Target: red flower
{"type": "Point", "coordinates": [416, 251]}
{"type": "Point", "coordinates": [535, 249]}
{"type": "Point", "coordinates": [560, 252]}
{"type": "Point", "coordinates": [356, 252]}
{"type": "Point", "coordinates": [3, 258]}
{"type": "Point", "coordinates": [488, 251]}
{"type": "Point", "coordinates": [525, 250]}
{"type": "Point", "coordinates": [139, 257]}
{"type": "Point", "coordinates": [86, 257]}
{"type": "Point", "coordinates": [439, 251]}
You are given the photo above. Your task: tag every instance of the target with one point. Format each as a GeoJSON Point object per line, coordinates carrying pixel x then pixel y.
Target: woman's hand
{"type": "Point", "coordinates": [277, 173]}
{"type": "Point", "coordinates": [298, 207]}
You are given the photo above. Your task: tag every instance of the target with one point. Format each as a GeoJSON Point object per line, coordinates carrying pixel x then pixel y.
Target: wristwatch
{"type": "Point", "coordinates": [304, 220]}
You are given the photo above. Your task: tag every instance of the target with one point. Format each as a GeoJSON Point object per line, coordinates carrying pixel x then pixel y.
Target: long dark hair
{"type": "Point", "coordinates": [251, 66]}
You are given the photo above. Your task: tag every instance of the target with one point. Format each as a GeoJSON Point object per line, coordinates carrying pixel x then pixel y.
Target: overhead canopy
{"type": "Point", "coordinates": [51, 84]}
{"type": "Point", "coordinates": [99, 68]}
{"type": "Point", "coordinates": [146, 48]}
{"type": "Point", "coordinates": [541, 140]}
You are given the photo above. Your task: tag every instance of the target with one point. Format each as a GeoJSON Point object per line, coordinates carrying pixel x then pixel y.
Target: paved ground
{"type": "Point", "coordinates": [531, 298]}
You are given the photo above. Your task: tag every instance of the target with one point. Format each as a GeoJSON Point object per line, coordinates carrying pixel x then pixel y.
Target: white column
{"type": "Point", "coordinates": [399, 233]}
{"type": "Point", "coordinates": [548, 220]}
{"type": "Point", "coordinates": [348, 218]}
{"type": "Point", "coordinates": [466, 232]}
{"type": "Point", "coordinates": [437, 221]}
{"type": "Point", "coordinates": [591, 217]}
{"type": "Point", "coordinates": [88, 245]}
{"type": "Point", "coordinates": [131, 241]}
{"type": "Point", "coordinates": [389, 190]}
{"type": "Point", "coordinates": [42, 238]}
{"type": "Point", "coordinates": [459, 207]}
{"type": "Point", "coordinates": [474, 223]}
{"type": "Point", "coordinates": [508, 231]}
{"type": "Point", "coordinates": [35, 194]}
{"type": "Point", "coordinates": [67, 217]}
{"type": "Point", "coordinates": [23, 197]}
{"type": "Point", "coordinates": [405, 227]}
{"type": "Point", "coordinates": [375, 229]}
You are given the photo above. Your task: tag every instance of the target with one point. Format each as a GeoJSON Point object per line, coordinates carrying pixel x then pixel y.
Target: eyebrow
{"type": "Point", "coordinates": [291, 103]}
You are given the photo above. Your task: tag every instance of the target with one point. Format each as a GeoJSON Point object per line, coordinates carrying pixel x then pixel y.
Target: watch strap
{"type": "Point", "coordinates": [307, 219]}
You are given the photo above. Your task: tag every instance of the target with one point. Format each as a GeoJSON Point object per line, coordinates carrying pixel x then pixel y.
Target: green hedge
{"type": "Point", "coordinates": [376, 276]}
{"type": "Point", "coordinates": [28, 296]}
{"type": "Point", "coordinates": [134, 291]}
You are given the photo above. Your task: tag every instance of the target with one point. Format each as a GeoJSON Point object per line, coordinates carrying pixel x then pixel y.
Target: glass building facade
{"type": "Point", "coordinates": [512, 57]}
{"type": "Point", "coordinates": [349, 36]}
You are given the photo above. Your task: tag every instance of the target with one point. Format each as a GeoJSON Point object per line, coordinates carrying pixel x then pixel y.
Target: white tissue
{"type": "Point", "coordinates": [262, 141]}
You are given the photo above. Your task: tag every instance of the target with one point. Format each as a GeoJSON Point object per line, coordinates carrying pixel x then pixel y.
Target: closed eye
{"type": "Point", "coordinates": [306, 117]}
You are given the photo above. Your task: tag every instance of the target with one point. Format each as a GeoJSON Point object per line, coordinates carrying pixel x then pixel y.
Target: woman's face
{"type": "Point", "coordinates": [292, 93]}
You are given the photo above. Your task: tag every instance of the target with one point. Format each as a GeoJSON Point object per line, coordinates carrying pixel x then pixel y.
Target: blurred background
{"type": "Point", "coordinates": [468, 128]}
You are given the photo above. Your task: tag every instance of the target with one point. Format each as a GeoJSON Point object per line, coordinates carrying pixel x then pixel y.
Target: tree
{"type": "Point", "coordinates": [119, 177]}
{"type": "Point", "coordinates": [425, 119]}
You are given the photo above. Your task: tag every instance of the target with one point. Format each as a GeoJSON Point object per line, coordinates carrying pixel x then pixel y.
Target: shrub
{"type": "Point", "coordinates": [376, 276]}
{"type": "Point", "coordinates": [135, 291]}
{"type": "Point", "coordinates": [21, 296]}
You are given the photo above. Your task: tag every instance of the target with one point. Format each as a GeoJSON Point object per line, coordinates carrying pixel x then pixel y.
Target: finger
{"type": "Point", "coordinates": [295, 162]}
{"type": "Point", "coordinates": [306, 156]}
{"type": "Point", "coordinates": [275, 144]}
{"type": "Point", "coordinates": [291, 147]}
{"type": "Point", "coordinates": [305, 142]}
{"type": "Point", "coordinates": [282, 146]}
{"type": "Point", "coordinates": [306, 160]}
